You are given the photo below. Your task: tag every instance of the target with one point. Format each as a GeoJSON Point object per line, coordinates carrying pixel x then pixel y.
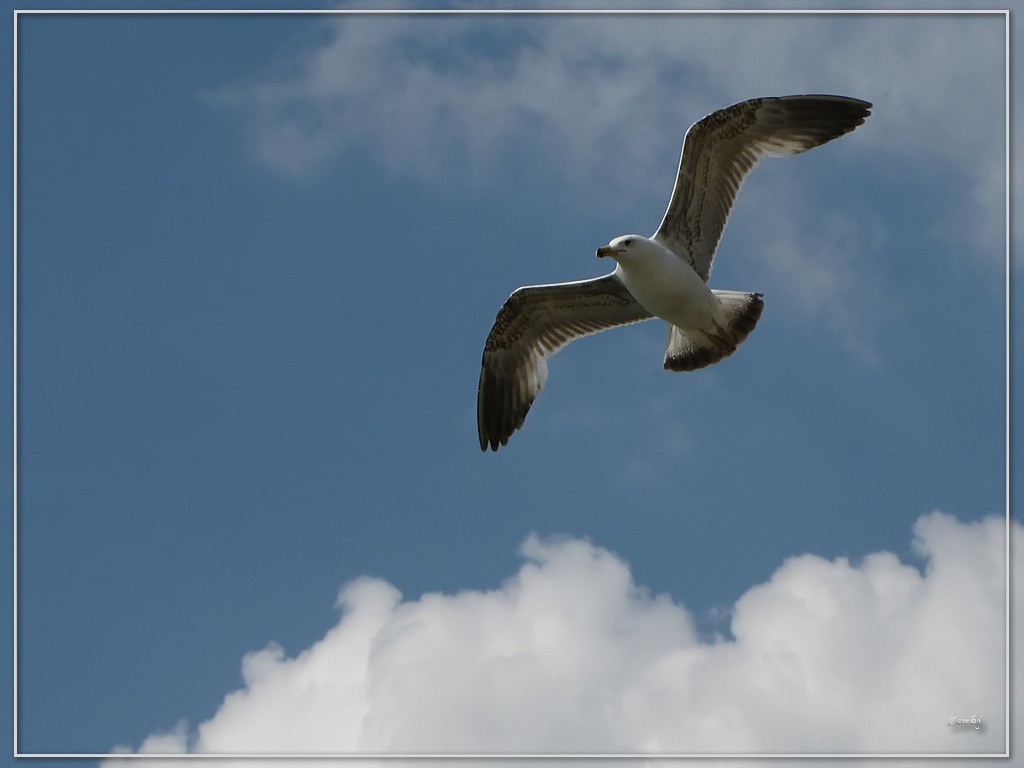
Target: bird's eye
{"type": "Point", "coordinates": [629, 241]}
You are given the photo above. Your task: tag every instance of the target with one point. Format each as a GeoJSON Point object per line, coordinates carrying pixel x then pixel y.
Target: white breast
{"type": "Point", "coordinates": [666, 285]}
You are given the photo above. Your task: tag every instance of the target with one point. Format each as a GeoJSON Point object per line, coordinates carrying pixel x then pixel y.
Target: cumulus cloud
{"type": "Point", "coordinates": [571, 655]}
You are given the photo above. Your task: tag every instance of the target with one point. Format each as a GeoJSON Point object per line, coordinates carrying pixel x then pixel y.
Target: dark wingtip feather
{"type": "Point", "coordinates": [828, 116]}
{"type": "Point", "coordinates": [488, 411]}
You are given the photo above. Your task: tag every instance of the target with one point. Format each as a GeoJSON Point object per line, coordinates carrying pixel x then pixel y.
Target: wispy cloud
{"type": "Point", "coordinates": [816, 266]}
{"type": "Point", "coordinates": [570, 654]}
{"type": "Point", "coordinates": [607, 100]}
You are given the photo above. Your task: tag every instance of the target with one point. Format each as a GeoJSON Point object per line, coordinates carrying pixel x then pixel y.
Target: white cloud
{"type": "Point", "coordinates": [571, 655]}
{"type": "Point", "coordinates": [419, 89]}
{"type": "Point", "coordinates": [602, 99]}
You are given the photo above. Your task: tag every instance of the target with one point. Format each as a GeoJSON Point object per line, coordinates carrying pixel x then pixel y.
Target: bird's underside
{"type": "Point", "coordinates": [718, 151]}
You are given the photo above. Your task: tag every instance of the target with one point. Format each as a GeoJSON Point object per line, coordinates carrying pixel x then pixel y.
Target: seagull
{"type": "Point", "coordinates": [664, 275]}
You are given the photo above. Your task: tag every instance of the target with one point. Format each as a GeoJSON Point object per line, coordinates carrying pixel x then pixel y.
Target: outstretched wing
{"type": "Point", "coordinates": [534, 323]}
{"type": "Point", "coordinates": [721, 149]}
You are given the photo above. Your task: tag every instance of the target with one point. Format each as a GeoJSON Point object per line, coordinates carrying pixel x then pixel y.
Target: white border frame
{"type": "Point", "coordinates": [475, 756]}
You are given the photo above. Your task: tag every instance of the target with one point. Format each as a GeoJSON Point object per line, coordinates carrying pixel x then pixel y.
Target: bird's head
{"type": "Point", "coordinates": [625, 246]}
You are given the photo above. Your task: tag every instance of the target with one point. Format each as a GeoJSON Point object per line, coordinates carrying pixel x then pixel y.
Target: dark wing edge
{"type": "Point", "coordinates": [722, 148]}
{"type": "Point", "coordinates": [533, 324]}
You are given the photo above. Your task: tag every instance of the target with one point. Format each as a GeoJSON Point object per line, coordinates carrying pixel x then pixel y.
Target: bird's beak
{"type": "Point", "coordinates": [607, 250]}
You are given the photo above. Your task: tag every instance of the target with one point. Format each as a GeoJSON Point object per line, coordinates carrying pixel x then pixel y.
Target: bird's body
{"type": "Point", "coordinates": [664, 284]}
{"type": "Point", "coordinates": [705, 325]}
{"type": "Point", "coordinates": [664, 275]}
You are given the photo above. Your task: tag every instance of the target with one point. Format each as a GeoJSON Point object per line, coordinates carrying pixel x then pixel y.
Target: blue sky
{"type": "Point", "coordinates": [258, 256]}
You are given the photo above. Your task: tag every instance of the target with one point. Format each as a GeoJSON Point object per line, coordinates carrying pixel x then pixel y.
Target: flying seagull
{"type": "Point", "coordinates": [664, 275]}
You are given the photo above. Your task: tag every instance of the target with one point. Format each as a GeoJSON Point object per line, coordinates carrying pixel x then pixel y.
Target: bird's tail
{"type": "Point", "coordinates": [738, 314]}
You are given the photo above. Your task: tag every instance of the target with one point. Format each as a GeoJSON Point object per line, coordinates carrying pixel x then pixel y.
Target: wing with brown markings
{"type": "Point", "coordinates": [721, 149]}
{"type": "Point", "coordinates": [534, 323]}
